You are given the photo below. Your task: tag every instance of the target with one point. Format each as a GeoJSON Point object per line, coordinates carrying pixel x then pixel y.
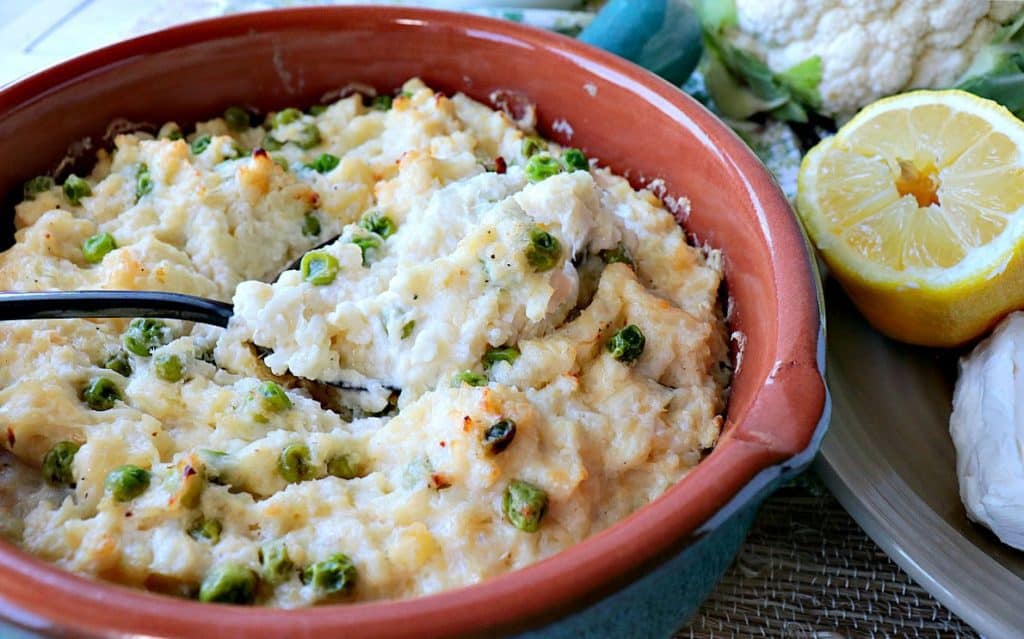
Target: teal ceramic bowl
{"type": "Point", "coordinates": [641, 577]}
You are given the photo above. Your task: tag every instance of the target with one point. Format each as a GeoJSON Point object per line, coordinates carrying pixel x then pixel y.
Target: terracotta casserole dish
{"type": "Point", "coordinates": [644, 575]}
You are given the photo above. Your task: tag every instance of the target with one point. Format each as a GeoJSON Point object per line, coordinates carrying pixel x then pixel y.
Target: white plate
{"type": "Point", "coordinates": [889, 460]}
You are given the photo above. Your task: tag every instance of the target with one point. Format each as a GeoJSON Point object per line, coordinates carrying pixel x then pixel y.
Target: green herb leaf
{"type": "Point", "coordinates": [790, 111]}
{"type": "Point", "coordinates": [732, 99]}
{"type": "Point", "coordinates": [717, 15]}
{"type": "Point", "coordinates": [1004, 83]}
{"type": "Point", "coordinates": [741, 84]}
{"type": "Point", "coordinates": [408, 328]}
{"type": "Point", "coordinates": [803, 79]}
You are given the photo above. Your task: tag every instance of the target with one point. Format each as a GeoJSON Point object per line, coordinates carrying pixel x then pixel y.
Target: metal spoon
{"type": "Point", "coordinates": [96, 304]}
{"type": "Point", "coordinates": [153, 304]}
{"type": "Point", "coordinates": [86, 304]}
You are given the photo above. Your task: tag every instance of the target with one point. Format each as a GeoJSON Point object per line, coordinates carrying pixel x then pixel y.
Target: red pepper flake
{"type": "Point", "coordinates": [259, 152]}
{"type": "Point", "coordinates": [439, 481]}
{"type": "Point", "coordinates": [442, 444]}
{"type": "Point", "coordinates": [467, 424]}
{"type": "Point", "coordinates": [499, 165]}
{"type": "Point", "coordinates": [127, 513]}
{"type": "Point", "coordinates": [10, 436]}
{"type": "Point", "coordinates": [513, 104]}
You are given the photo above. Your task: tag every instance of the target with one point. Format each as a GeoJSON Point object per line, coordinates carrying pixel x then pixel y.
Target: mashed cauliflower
{"type": "Point", "coordinates": [515, 349]}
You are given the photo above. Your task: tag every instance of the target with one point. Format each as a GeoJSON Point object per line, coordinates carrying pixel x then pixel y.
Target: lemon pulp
{"type": "Point", "coordinates": [917, 205]}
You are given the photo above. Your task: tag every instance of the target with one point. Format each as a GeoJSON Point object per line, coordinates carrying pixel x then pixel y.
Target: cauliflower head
{"type": "Point", "coordinates": [870, 48]}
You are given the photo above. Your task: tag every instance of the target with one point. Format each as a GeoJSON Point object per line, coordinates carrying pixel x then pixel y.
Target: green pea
{"type": "Point", "coordinates": [270, 143]}
{"type": "Point", "coordinates": [541, 167]}
{"type": "Point", "coordinates": [504, 354]}
{"type": "Point", "coordinates": [524, 505]}
{"type": "Point", "coordinates": [382, 103]}
{"type": "Point", "coordinates": [532, 145]}
{"type": "Point", "coordinates": [170, 131]}
{"type": "Point", "coordinates": [200, 144]}
{"type": "Point", "coordinates": [96, 246]}
{"type": "Point", "coordinates": [295, 463]}
{"type": "Point", "coordinates": [119, 363]}
{"type": "Point", "coordinates": [143, 182]}
{"type": "Point", "coordinates": [236, 118]}
{"type": "Point", "coordinates": [325, 163]}
{"type": "Point", "coordinates": [408, 328]}
{"type": "Point", "coordinates": [169, 367]}
{"type": "Point", "coordinates": [100, 394]}
{"type": "Point", "coordinates": [285, 116]}
{"type": "Point", "coordinates": [499, 435]}
{"type": "Point", "coordinates": [273, 397]}
{"type": "Point", "coordinates": [275, 564]}
{"type": "Point", "coordinates": [319, 268]}
{"type": "Point", "coordinates": [469, 377]}
{"type": "Point", "coordinates": [311, 225]}
{"type": "Point", "coordinates": [575, 160]}
{"type": "Point", "coordinates": [127, 482]}
{"type": "Point", "coordinates": [57, 463]}
{"type": "Point", "coordinates": [144, 335]}
{"type": "Point", "coordinates": [382, 225]}
{"type": "Point", "coordinates": [366, 245]}
{"type": "Point", "coordinates": [204, 529]}
{"type": "Point", "coordinates": [345, 466]}
{"type": "Point", "coordinates": [37, 185]}
{"type": "Point", "coordinates": [618, 254]}
{"type": "Point", "coordinates": [543, 251]}
{"type": "Point", "coordinates": [75, 188]}
{"type": "Point", "coordinates": [229, 583]}
{"type": "Point", "coordinates": [333, 575]}
{"type": "Point", "coordinates": [317, 109]}
{"type": "Point", "coordinates": [309, 137]}
{"type": "Point", "coordinates": [627, 344]}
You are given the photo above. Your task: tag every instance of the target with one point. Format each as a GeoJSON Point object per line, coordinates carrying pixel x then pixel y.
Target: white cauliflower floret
{"type": "Point", "coordinates": [871, 48]}
{"type": "Point", "coordinates": [987, 428]}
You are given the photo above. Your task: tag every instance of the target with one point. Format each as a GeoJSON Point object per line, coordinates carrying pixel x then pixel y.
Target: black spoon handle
{"type": "Point", "coordinates": [77, 304]}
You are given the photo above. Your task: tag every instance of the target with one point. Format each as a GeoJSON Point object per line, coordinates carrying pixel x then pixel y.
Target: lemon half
{"type": "Point", "coordinates": [917, 206]}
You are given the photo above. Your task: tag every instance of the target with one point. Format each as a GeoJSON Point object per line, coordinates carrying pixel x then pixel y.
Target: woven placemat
{"type": "Point", "coordinates": [808, 570]}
